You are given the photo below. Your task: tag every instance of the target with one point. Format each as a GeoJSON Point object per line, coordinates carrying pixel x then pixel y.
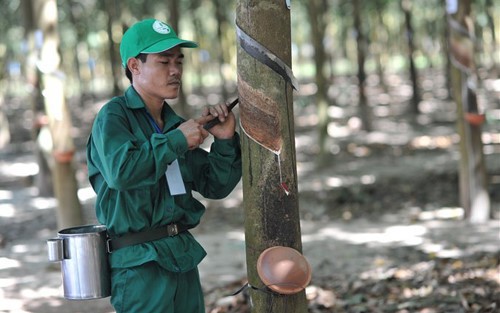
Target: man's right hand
{"type": "Point", "coordinates": [194, 132]}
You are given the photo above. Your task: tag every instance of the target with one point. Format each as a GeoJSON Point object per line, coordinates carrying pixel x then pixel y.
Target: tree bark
{"type": "Point", "coordinates": [361, 53]}
{"type": "Point", "coordinates": [406, 6]}
{"type": "Point", "coordinates": [43, 181]}
{"type": "Point", "coordinates": [174, 21]}
{"type": "Point", "coordinates": [113, 11]}
{"type": "Point", "coordinates": [474, 195]}
{"type": "Point", "coordinates": [221, 20]}
{"type": "Point", "coordinates": [315, 11]}
{"type": "Point", "coordinates": [4, 126]}
{"type": "Point", "coordinates": [268, 144]}
{"type": "Point", "coordinates": [69, 212]}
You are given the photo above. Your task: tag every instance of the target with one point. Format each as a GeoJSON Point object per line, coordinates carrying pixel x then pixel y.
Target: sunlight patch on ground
{"type": "Point", "coordinates": [6, 195]}
{"type": "Point", "coordinates": [236, 235]}
{"type": "Point", "coordinates": [306, 120]}
{"type": "Point", "coordinates": [399, 135]}
{"type": "Point", "coordinates": [43, 203]}
{"type": "Point", "coordinates": [336, 112]}
{"type": "Point", "coordinates": [11, 305]}
{"type": "Point", "coordinates": [408, 235]}
{"type": "Point", "coordinates": [19, 169]}
{"type": "Point", "coordinates": [436, 142]}
{"type": "Point", "coordinates": [442, 213]}
{"type": "Point", "coordinates": [85, 194]}
{"type": "Point", "coordinates": [333, 182]}
{"type": "Point", "coordinates": [319, 184]}
{"type": "Point", "coordinates": [368, 179]}
{"type": "Point", "coordinates": [6, 263]}
{"type": "Point", "coordinates": [44, 292]}
{"type": "Point", "coordinates": [7, 210]}
{"type": "Point", "coordinates": [439, 250]}
{"type": "Point", "coordinates": [337, 131]}
{"type": "Point", "coordinates": [231, 202]}
{"type": "Point", "coordinates": [493, 84]}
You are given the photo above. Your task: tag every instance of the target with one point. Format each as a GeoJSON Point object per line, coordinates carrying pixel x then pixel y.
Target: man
{"type": "Point", "coordinates": [144, 161]}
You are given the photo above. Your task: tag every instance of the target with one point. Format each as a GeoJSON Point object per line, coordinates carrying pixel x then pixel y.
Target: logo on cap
{"type": "Point", "coordinates": [161, 27]}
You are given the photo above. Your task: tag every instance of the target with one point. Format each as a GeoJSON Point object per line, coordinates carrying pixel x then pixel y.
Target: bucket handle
{"type": "Point", "coordinates": [55, 249]}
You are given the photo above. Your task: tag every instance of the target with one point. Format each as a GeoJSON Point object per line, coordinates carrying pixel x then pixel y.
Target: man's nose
{"type": "Point", "coordinates": [175, 69]}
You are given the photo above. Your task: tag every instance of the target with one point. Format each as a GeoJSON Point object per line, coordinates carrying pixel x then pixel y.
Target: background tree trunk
{"type": "Point", "coordinates": [406, 6]}
{"type": "Point", "coordinates": [173, 20]}
{"type": "Point", "coordinates": [316, 11]}
{"type": "Point", "coordinates": [69, 212]}
{"type": "Point", "coordinates": [361, 49]}
{"type": "Point", "coordinates": [4, 126]}
{"type": "Point", "coordinates": [43, 180]}
{"type": "Point", "coordinates": [113, 12]}
{"type": "Point", "coordinates": [474, 195]}
{"type": "Point", "coordinates": [221, 20]}
{"type": "Point", "coordinates": [269, 177]}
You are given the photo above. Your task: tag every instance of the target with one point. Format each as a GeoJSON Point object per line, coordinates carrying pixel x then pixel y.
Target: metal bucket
{"type": "Point", "coordinates": [85, 268]}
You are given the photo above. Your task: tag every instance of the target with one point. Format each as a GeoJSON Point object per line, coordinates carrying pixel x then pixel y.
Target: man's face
{"type": "Point", "coordinates": [160, 76]}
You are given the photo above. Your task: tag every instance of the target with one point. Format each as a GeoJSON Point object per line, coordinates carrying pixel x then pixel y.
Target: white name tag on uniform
{"type": "Point", "coordinates": [174, 179]}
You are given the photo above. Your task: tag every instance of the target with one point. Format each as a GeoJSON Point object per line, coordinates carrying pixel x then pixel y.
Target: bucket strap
{"type": "Point", "coordinates": [131, 239]}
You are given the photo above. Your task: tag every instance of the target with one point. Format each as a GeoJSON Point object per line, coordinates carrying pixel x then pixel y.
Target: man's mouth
{"type": "Point", "coordinates": [175, 83]}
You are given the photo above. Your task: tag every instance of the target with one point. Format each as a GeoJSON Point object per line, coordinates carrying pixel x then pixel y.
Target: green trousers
{"type": "Point", "coordinates": [150, 288]}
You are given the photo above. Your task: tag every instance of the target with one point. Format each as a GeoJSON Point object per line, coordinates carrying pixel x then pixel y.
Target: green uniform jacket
{"type": "Point", "coordinates": [127, 161]}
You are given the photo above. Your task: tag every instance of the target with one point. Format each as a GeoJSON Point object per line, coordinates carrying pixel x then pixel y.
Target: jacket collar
{"type": "Point", "coordinates": [134, 101]}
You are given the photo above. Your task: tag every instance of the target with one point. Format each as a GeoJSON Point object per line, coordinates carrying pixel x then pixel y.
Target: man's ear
{"type": "Point", "coordinates": [133, 66]}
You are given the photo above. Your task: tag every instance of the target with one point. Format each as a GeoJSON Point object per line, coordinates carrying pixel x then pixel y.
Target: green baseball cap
{"type": "Point", "coordinates": [150, 36]}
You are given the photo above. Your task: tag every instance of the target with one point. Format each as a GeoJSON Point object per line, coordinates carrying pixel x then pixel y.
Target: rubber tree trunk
{"type": "Point", "coordinates": [380, 42]}
{"type": "Point", "coordinates": [113, 10]}
{"type": "Point", "coordinates": [4, 123]}
{"type": "Point", "coordinates": [69, 211]}
{"type": "Point", "coordinates": [220, 18]}
{"type": "Point", "coordinates": [174, 21]}
{"type": "Point", "coordinates": [361, 53]}
{"type": "Point", "coordinates": [406, 6]}
{"type": "Point", "coordinates": [43, 180]}
{"type": "Point", "coordinates": [474, 195]}
{"type": "Point", "coordinates": [4, 126]}
{"type": "Point", "coordinates": [268, 147]}
{"type": "Point", "coordinates": [315, 11]}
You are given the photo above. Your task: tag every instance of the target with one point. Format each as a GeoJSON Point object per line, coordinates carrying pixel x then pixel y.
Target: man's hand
{"type": "Point", "coordinates": [225, 129]}
{"type": "Point", "coordinates": [194, 132]}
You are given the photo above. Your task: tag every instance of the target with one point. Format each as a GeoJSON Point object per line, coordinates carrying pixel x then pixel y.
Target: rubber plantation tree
{"type": "Point", "coordinates": [474, 195]}
{"type": "Point", "coordinates": [406, 6]}
{"type": "Point", "coordinates": [113, 11]}
{"type": "Point", "coordinates": [317, 11]}
{"type": "Point", "coordinates": [4, 123]}
{"type": "Point", "coordinates": [43, 179]}
{"type": "Point", "coordinates": [4, 126]}
{"type": "Point", "coordinates": [69, 211]}
{"type": "Point", "coordinates": [173, 10]}
{"type": "Point", "coordinates": [361, 48]}
{"type": "Point", "coordinates": [268, 145]}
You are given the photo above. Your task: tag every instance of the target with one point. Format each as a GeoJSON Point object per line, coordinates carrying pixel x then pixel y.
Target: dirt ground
{"type": "Point", "coordinates": [381, 226]}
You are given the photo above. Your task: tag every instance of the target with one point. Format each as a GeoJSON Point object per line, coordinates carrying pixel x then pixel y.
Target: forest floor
{"type": "Point", "coordinates": [381, 224]}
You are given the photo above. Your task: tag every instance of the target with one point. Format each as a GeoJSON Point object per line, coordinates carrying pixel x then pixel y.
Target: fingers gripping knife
{"type": "Point", "coordinates": [216, 121]}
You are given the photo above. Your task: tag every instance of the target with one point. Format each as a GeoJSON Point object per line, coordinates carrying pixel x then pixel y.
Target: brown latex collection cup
{"type": "Point", "coordinates": [284, 270]}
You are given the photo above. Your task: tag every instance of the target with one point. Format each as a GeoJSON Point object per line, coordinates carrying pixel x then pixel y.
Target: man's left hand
{"type": "Point", "coordinates": [225, 129]}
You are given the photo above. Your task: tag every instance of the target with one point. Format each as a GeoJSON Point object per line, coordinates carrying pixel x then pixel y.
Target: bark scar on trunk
{"type": "Point", "coordinates": [259, 117]}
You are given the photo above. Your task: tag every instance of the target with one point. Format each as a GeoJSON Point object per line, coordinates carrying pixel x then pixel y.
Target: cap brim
{"type": "Point", "coordinates": [169, 44]}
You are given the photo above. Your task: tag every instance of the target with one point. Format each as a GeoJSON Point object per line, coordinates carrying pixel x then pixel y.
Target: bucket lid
{"type": "Point", "coordinates": [284, 270]}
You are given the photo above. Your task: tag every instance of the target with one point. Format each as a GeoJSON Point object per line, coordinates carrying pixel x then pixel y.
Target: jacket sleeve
{"type": "Point", "coordinates": [125, 160]}
{"type": "Point", "coordinates": [217, 173]}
